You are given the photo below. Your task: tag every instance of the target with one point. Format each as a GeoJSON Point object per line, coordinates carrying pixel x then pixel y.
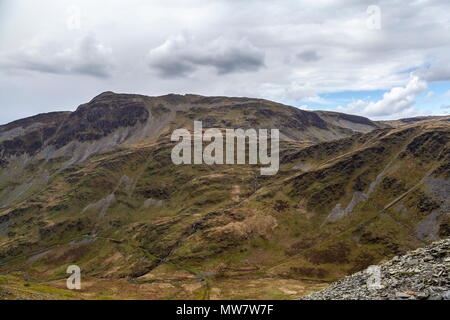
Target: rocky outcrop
{"type": "Point", "coordinates": [421, 274]}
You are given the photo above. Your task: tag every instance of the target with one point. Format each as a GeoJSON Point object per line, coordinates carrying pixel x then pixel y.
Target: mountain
{"type": "Point", "coordinates": [401, 122]}
{"type": "Point", "coordinates": [97, 188]}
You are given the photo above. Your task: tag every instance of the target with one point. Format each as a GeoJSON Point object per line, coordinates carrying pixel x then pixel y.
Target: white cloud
{"type": "Point", "coordinates": [398, 100]}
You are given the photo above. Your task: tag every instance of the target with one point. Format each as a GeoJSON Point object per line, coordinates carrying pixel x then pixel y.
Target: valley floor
{"type": "Point", "coordinates": [15, 287]}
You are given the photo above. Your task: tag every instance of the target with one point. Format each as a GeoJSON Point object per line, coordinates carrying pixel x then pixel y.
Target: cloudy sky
{"type": "Point", "coordinates": [381, 59]}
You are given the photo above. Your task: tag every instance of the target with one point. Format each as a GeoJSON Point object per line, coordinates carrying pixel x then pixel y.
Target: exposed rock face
{"type": "Point", "coordinates": [28, 135]}
{"type": "Point", "coordinates": [421, 274]}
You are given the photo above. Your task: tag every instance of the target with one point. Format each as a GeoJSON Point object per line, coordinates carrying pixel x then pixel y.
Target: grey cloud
{"type": "Point", "coordinates": [445, 107]}
{"type": "Point", "coordinates": [86, 57]}
{"type": "Point", "coordinates": [233, 59]}
{"type": "Point", "coordinates": [181, 56]}
{"type": "Point", "coordinates": [308, 56]}
{"type": "Point", "coordinates": [168, 68]}
{"type": "Point", "coordinates": [438, 71]}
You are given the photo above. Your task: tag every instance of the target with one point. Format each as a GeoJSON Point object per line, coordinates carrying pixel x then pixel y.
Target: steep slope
{"type": "Point", "coordinates": [58, 140]}
{"type": "Point", "coordinates": [113, 202]}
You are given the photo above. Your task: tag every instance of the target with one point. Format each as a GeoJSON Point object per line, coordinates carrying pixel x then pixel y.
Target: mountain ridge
{"type": "Point", "coordinates": [100, 190]}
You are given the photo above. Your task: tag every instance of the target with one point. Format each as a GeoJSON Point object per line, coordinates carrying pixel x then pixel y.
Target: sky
{"type": "Point", "coordinates": [384, 59]}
